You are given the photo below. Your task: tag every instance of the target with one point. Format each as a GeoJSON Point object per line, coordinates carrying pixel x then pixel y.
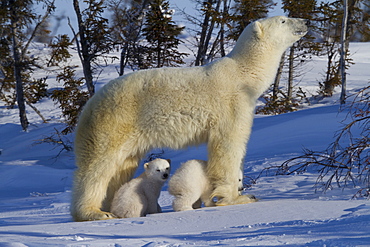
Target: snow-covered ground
{"type": "Point", "coordinates": [35, 185]}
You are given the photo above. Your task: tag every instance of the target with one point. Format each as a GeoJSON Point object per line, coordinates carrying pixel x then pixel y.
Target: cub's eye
{"type": "Point", "coordinates": [167, 168]}
{"type": "Point", "coordinates": [283, 21]}
{"type": "Point", "coordinates": [158, 170]}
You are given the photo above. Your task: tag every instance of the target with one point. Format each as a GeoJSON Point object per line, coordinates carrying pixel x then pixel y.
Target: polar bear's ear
{"type": "Point", "coordinates": [146, 165]}
{"type": "Point", "coordinates": [257, 28]}
{"type": "Point", "coordinates": [169, 161]}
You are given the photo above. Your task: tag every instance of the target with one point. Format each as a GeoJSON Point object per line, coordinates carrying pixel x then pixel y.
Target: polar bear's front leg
{"type": "Point", "coordinates": [226, 152]}
{"type": "Point", "coordinates": [88, 194]}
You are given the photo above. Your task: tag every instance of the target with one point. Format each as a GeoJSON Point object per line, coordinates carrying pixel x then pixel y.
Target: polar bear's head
{"type": "Point", "coordinates": [158, 169]}
{"type": "Point", "coordinates": [280, 29]}
{"type": "Point", "coordinates": [268, 38]}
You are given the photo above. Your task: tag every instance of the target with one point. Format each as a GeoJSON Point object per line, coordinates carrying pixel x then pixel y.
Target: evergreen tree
{"type": "Point", "coordinates": [127, 22]}
{"type": "Point", "coordinates": [282, 101]}
{"type": "Point", "coordinates": [59, 50]}
{"type": "Point", "coordinates": [330, 24]}
{"type": "Point", "coordinates": [16, 19]}
{"type": "Point", "coordinates": [363, 31]}
{"type": "Point", "coordinates": [247, 11]}
{"type": "Point", "coordinates": [299, 52]}
{"type": "Point", "coordinates": [330, 34]}
{"type": "Point", "coordinates": [161, 35]}
{"type": "Point", "coordinates": [71, 97]}
{"type": "Point", "coordinates": [211, 39]}
{"type": "Point", "coordinates": [94, 37]}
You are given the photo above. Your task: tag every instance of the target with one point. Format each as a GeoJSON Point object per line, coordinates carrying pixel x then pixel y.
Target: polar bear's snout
{"type": "Point", "coordinates": [165, 176]}
{"type": "Point", "coordinates": [301, 27]}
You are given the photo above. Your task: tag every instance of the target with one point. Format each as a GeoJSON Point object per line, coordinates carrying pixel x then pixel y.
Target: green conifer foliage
{"type": "Point", "coordinates": [247, 11]}
{"type": "Point", "coordinates": [161, 35]}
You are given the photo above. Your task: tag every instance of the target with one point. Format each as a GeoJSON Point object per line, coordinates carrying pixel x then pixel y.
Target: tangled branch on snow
{"type": "Point", "coordinates": [346, 161]}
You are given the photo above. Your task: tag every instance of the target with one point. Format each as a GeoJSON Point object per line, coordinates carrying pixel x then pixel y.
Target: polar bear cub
{"type": "Point", "coordinates": [191, 186]}
{"type": "Point", "coordinates": [139, 196]}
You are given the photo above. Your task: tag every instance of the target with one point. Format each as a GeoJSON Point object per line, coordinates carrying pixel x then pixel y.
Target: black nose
{"type": "Point", "coordinates": [308, 22]}
{"type": "Point", "coordinates": [165, 175]}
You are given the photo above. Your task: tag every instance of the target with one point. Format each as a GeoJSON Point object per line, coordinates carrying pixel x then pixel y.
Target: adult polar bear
{"type": "Point", "coordinates": [175, 108]}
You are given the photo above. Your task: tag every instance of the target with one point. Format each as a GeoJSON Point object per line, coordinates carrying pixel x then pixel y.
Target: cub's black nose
{"type": "Point", "coordinates": [165, 175]}
{"type": "Point", "coordinates": [308, 22]}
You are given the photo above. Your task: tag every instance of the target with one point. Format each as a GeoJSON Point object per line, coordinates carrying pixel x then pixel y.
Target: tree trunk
{"type": "Point", "coordinates": [37, 111]}
{"type": "Point", "coordinates": [84, 50]}
{"type": "Point", "coordinates": [222, 30]}
{"type": "Point", "coordinates": [202, 48]}
{"type": "Point", "coordinates": [17, 72]}
{"type": "Point", "coordinates": [275, 89]}
{"type": "Point", "coordinates": [342, 60]}
{"type": "Point", "coordinates": [290, 73]}
{"type": "Point", "coordinates": [122, 61]}
{"type": "Point", "coordinates": [135, 19]}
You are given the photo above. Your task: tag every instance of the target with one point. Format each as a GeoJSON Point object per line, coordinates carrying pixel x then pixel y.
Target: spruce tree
{"type": "Point", "coordinates": [59, 50]}
{"type": "Point", "coordinates": [127, 21]}
{"type": "Point", "coordinates": [161, 34]}
{"type": "Point", "coordinates": [247, 11]}
{"type": "Point", "coordinates": [19, 25]}
{"type": "Point", "coordinates": [330, 22]}
{"type": "Point", "coordinates": [211, 37]}
{"type": "Point", "coordinates": [71, 97]}
{"type": "Point", "coordinates": [299, 52]}
{"type": "Point", "coordinates": [94, 37]}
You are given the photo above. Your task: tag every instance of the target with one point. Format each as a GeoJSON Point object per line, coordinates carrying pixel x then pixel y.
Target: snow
{"type": "Point", "coordinates": [36, 180]}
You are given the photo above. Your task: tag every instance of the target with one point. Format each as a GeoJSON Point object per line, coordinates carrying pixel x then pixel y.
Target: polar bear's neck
{"type": "Point", "coordinates": [257, 61]}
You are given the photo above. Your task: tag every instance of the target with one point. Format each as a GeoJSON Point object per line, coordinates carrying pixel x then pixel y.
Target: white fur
{"type": "Point", "coordinates": [191, 186]}
{"type": "Point", "coordinates": [175, 108]}
{"type": "Point", "coordinates": [139, 197]}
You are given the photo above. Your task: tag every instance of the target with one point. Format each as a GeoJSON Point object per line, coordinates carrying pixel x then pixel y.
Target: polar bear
{"type": "Point", "coordinates": [176, 108]}
{"type": "Point", "coordinates": [139, 197]}
{"type": "Point", "coordinates": [191, 186]}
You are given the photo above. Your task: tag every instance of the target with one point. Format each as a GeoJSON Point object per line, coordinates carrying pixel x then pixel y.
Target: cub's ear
{"type": "Point", "coordinates": [169, 161]}
{"type": "Point", "coordinates": [146, 165]}
{"type": "Point", "coordinates": [257, 28]}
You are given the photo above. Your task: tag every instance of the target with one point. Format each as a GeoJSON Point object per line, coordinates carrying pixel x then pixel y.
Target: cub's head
{"type": "Point", "coordinates": [280, 30]}
{"type": "Point", "coordinates": [158, 169]}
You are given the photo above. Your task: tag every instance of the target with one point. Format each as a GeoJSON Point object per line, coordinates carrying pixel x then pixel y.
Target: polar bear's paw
{"type": "Point", "coordinates": [241, 199]}
{"type": "Point", "coordinates": [95, 215]}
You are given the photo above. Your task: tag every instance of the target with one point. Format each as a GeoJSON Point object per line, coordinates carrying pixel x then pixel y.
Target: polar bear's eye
{"type": "Point", "coordinates": [283, 21]}
{"type": "Point", "coordinates": [158, 170]}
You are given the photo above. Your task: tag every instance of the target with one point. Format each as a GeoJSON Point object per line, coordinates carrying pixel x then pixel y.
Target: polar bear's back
{"type": "Point", "coordinates": [190, 178]}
